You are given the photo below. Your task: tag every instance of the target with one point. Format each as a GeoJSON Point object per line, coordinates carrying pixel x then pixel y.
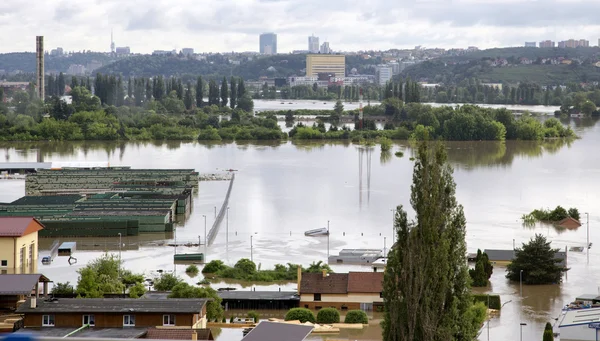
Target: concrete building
{"type": "Point", "coordinates": [164, 52]}
{"type": "Point", "coordinates": [354, 290]}
{"type": "Point", "coordinates": [268, 43]}
{"type": "Point", "coordinates": [187, 51]}
{"type": "Point", "coordinates": [40, 82]}
{"type": "Point", "coordinates": [76, 69]}
{"type": "Point", "coordinates": [384, 74]}
{"type": "Point", "coordinates": [530, 44]}
{"type": "Point", "coordinates": [547, 44]}
{"type": "Point", "coordinates": [325, 49]}
{"type": "Point", "coordinates": [313, 44]}
{"type": "Point", "coordinates": [573, 43]}
{"type": "Point", "coordinates": [19, 244]}
{"type": "Point", "coordinates": [581, 324]}
{"type": "Point", "coordinates": [325, 63]}
{"type": "Point", "coordinates": [57, 51]}
{"type": "Point", "coordinates": [123, 51]}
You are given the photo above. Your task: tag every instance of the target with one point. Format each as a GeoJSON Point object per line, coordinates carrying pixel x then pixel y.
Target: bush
{"type": "Point", "coordinates": [191, 269]}
{"type": "Point", "coordinates": [494, 300]}
{"type": "Point", "coordinates": [224, 320]}
{"type": "Point", "coordinates": [356, 316]}
{"type": "Point", "coordinates": [213, 266]}
{"type": "Point", "coordinates": [231, 319]}
{"type": "Point", "coordinates": [254, 315]}
{"type": "Point", "coordinates": [386, 144]}
{"type": "Point", "coordinates": [328, 315]}
{"type": "Point", "coordinates": [300, 314]}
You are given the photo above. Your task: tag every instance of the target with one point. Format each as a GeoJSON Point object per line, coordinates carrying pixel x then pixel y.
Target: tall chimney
{"type": "Point", "coordinates": [33, 303]}
{"type": "Point", "coordinates": [39, 49]}
{"type": "Point", "coordinates": [299, 277]}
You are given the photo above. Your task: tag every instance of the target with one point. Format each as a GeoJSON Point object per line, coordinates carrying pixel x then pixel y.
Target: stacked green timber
{"type": "Point", "coordinates": [65, 227]}
{"type": "Point", "coordinates": [149, 221]}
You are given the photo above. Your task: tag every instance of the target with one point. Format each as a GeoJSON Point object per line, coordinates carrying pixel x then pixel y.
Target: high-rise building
{"type": "Point", "coordinates": [547, 44]}
{"type": "Point", "coordinates": [187, 51]}
{"type": "Point", "coordinates": [123, 51]}
{"type": "Point", "coordinates": [39, 50]}
{"type": "Point", "coordinates": [384, 74]}
{"type": "Point", "coordinates": [268, 43]}
{"type": "Point", "coordinates": [572, 43]}
{"type": "Point", "coordinates": [57, 51]}
{"type": "Point", "coordinates": [530, 44]}
{"type": "Point", "coordinates": [325, 63]}
{"type": "Point", "coordinates": [313, 44]}
{"type": "Point", "coordinates": [325, 48]}
{"type": "Point", "coordinates": [112, 42]}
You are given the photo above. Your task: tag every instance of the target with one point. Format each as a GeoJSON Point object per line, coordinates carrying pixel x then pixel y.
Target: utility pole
{"type": "Point", "coordinates": [521, 282]}
{"type": "Point", "coordinates": [251, 253]}
{"type": "Point", "coordinates": [119, 255]}
{"type": "Point", "coordinates": [227, 231]}
{"type": "Point", "coordinates": [588, 237]}
{"type": "Point", "coordinates": [327, 241]}
{"type": "Point", "coordinates": [205, 240]}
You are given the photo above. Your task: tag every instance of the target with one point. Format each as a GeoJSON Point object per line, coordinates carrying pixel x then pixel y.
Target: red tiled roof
{"type": "Point", "coordinates": [365, 282]}
{"type": "Point", "coordinates": [18, 226]}
{"type": "Point", "coordinates": [569, 223]}
{"type": "Point", "coordinates": [331, 284]}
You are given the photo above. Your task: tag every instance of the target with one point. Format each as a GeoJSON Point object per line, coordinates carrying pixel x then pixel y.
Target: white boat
{"type": "Point", "coordinates": [317, 232]}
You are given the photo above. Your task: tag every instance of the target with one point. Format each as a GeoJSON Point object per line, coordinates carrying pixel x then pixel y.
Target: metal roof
{"type": "Point", "coordinates": [273, 331]}
{"type": "Point", "coordinates": [25, 165]}
{"type": "Point", "coordinates": [259, 295]}
{"type": "Point", "coordinates": [17, 226]}
{"type": "Point", "coordinates": [509, 255]}
{"type": "Point", "coordinates": [582, 316]}
{"type": "Point", "coordinates": [22, 284]}
{"type": "Point", "coordinates": [114, 305]}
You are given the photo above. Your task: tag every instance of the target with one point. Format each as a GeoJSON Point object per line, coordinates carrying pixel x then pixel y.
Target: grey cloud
{"type": "Point", "coordinates": [150, 19]}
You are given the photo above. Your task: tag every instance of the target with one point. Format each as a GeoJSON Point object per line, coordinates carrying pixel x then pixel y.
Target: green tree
{"type": "Point", "coordinates": [300, 314]}
{"type": "Point", "coordinates": [483, 270]}
{"type": "Point", "coordinates": [213, 93]}
{"type": "Point", "coordinates": [548, 333]}
{"type": "Point", "coordinates": [166, 282]}
{"type": "Point", "coordinates": [213, 267]}
{"type": "Point", "coordinates": [224, 92]}
{"type": "Point", "coordinates": [233, 93]}
{"type": "Point", "coordinates": [101, 276]}
{"type": "Point", "coordinates": [538, 262]}
{"type": "Point", "coordinates": [356, 316]}
{"type": "Point", "coordinates": [63, 289]}
{"type": "Point", "coordinates": [574, 213]}
{"type": "Point", "coordinates": [318, 267]}
{"type": "Point", "coordinates": [74, 82]}
{"type": "Point", "coordinates": [253, 315]}
{"type": "Point", "coordinates": [61, 84]}
{"type": "Point", "coordinates": [328, 316]}
{"type": "Point", "coordinates": [199, 92]}
{"type": "Point", "coordinates": [241, 90]}
{"type": "Point", "coordinates": [213, 306]}
{"type": "Point", "coordinates": [588, 107]}
{"type": "Point", "coordinates": [426, 286]}
{"type": "Point", "coordinates": [245, 266]}
{"type": "Point", "coordinates": [245, 103]}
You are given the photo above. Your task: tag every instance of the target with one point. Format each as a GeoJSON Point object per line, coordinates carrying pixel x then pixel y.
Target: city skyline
{"type": "Point", "coordinates": [226, 26]}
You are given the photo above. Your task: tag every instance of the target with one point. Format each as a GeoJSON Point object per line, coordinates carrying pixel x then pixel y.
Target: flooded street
{"type": "Point", "coordinates": [284, 189]}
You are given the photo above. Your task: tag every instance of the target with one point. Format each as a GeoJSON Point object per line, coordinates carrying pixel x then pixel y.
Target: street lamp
{"type": "Point", "coordinates": [327, 241]}
{"type": "Point", "coordinates": [205, 240]}
{"type": "Point", "coordinates": [588, 237]}
{"type": "Point", "coordinates": [384, 246]}
{"type": "Point", "coordinates": [251, 253]}
{"type": "Point", "coordinates": [521, 282]}
{"type": "Point", "coordinates": [227, 231]}
{"type": "Point", "coordinates": [393, 222]}
{"type": "Point", "coordinates": [521, 327]}
{"type": "Point", "coordinates": [119, 255]}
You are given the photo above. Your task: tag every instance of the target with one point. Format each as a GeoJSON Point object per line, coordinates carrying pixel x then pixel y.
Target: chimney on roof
{"type": "Point", "coordinates": [194, 335]}
{"type": "Point", "coordinates": [299, 277]}
{"type": "Point", "coordinates": [324, 273]}
{"type": "Point", "coordinates": [33, 303]}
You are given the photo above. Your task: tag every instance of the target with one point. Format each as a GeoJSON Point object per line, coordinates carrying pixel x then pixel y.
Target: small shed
{"type": "Point", "coordinates": [66, 249]}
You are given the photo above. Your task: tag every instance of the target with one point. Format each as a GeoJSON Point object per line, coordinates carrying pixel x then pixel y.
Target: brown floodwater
{"type": "Point", "coordinates": [284, 189]}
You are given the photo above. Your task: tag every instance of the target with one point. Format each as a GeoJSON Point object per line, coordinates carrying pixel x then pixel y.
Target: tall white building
{"type": "Point", "coordinates": [313, 44]}
{"type": "Point", "coordinates": [325, 49]}
{"type": "Point", "coordinates": [384, 74]}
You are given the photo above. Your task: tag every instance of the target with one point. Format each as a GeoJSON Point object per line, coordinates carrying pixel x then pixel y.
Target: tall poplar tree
{"type": "Point", "coordinates": [189, 98]}
{"type": "Point", "coordinates": [241, 89]}
{"type": "Point", "coordinates": [149, 90]}
{"type": "Point", "coordinates": [199, 92]}
{"type": "Point", "coordinates": [224, 92]}
{"type": "Point", "coordinates": [61, 84]}
{"type": "Point", "coordinates": [233, 93]}
{"type": "Point", "coordinates": [74, 82]}
{"type": "Point", "coordinates": [426, 283]}
{"type": "Point", "coordinates": [213, 93]}
{"type": "Point", "coordinates": [130, 88]}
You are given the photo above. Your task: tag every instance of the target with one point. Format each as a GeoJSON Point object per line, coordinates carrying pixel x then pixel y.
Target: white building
{"type": "Point", "coordinates": [530, 44]}
{"type": "Point", "coordinates": [384, 74]}
{"type": "Point", "coordinates": [294, 81]}
{"type": "Point", "coordinates": [313, 44]}
{"type": "Point", "coordinates": [187, 51]}
{"type": "Point", "coordinates": [76, 69]}
{"type": "Point", "coordinates": [325, 49]}
{"type": "Point", "coordinates": [123, 51]}
{"type": "Point", "coordinates": [164, 52]}
{"type": "Point", "coordinates": [581, 324]}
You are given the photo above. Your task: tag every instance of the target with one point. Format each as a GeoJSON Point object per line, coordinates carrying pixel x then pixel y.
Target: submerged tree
{"type": "Point", "coordinates": [426, 284]}
{"type": "Point", "coordinates": [538, 262]}
{"type": "Point", "coordinates": [483, 270]}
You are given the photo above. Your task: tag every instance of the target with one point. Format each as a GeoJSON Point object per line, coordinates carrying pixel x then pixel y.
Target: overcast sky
{"type": "Point", "coordinates": [348, 25]}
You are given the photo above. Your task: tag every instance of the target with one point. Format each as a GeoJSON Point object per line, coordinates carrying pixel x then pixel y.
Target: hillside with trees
{"type": "Point", "coordinates": [25, 61]}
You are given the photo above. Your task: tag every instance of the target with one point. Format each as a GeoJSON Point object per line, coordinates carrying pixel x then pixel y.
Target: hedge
{"type": "Point", "coordinates": [301, 314]}
{"type": "Point", "coordinates": [494, 300]}
{"type": "Point", "coordinates": [328, 315]}
{"type": "Point", "coordinates": [356, 316]}
{"type": "Point", "coordinates": [254, 315]}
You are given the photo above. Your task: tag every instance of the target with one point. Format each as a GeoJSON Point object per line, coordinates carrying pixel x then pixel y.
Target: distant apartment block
{"type": "Point", "coordinates": [164, 52]}
{"type": "Point", "coordinates": [325, 63]}
{"type": "Point", "coordinates": [313, 44]}
{"type": "Point", "coordinates": [187, 51]}
{"type": "Point", "coordinates": [573, 43]}
{"type": "Point", "coordinates": [530, 44]}
{"type": "Point", "coordinates": [57, 51]}
{"type": "Point", "coordinates": [123, 51]}
{"type": "Point", "coordinates": [384, 74]}
{"type": "Point", "coordinates": [547, 44]}
{"type": "Point", "coordinates": [76, 69]}
{"type": "Point", "coordinates": [268, 43]}
{"type": "Point", "coordinates": [325, 48]}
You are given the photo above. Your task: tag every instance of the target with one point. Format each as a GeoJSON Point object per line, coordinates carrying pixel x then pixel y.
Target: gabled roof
{"type": "Point", "coordinates": [178, 334]}
{"type": "Point", "coordinates": [22, 284]}
{"type": "Point", "coordinates": [365, 282]}
{"type": "Point", "coordinates": [18, 226]}
{"type": "Point", "coordinates": [569, 223]}
{"type": "Point", "coordinates": [330, 284]}
{"type": "Point", "coordinates": [114, 305]}
{"type": "Point", "coordinates": [273, 331]}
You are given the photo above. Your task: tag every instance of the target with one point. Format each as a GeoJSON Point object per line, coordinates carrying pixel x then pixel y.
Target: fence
{"type": "Point", "coordinates": [215, 227]}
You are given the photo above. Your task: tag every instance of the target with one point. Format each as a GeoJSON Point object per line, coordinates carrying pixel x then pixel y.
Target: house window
{"type": "Point", "coordinates": [381, 294]}
{"type": "Point", "coordinates": [128, 320]}
{"type": "Point", "coordinates": [168, 320]}
{"type": "Point", "coordinates": [48, 320]}
{"type": "Point", "coordinates": [317, 297]}
{"type": "Point", "coordinates": [89, 319]}
{"type": "Point", "coordinates": [4, 262]}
